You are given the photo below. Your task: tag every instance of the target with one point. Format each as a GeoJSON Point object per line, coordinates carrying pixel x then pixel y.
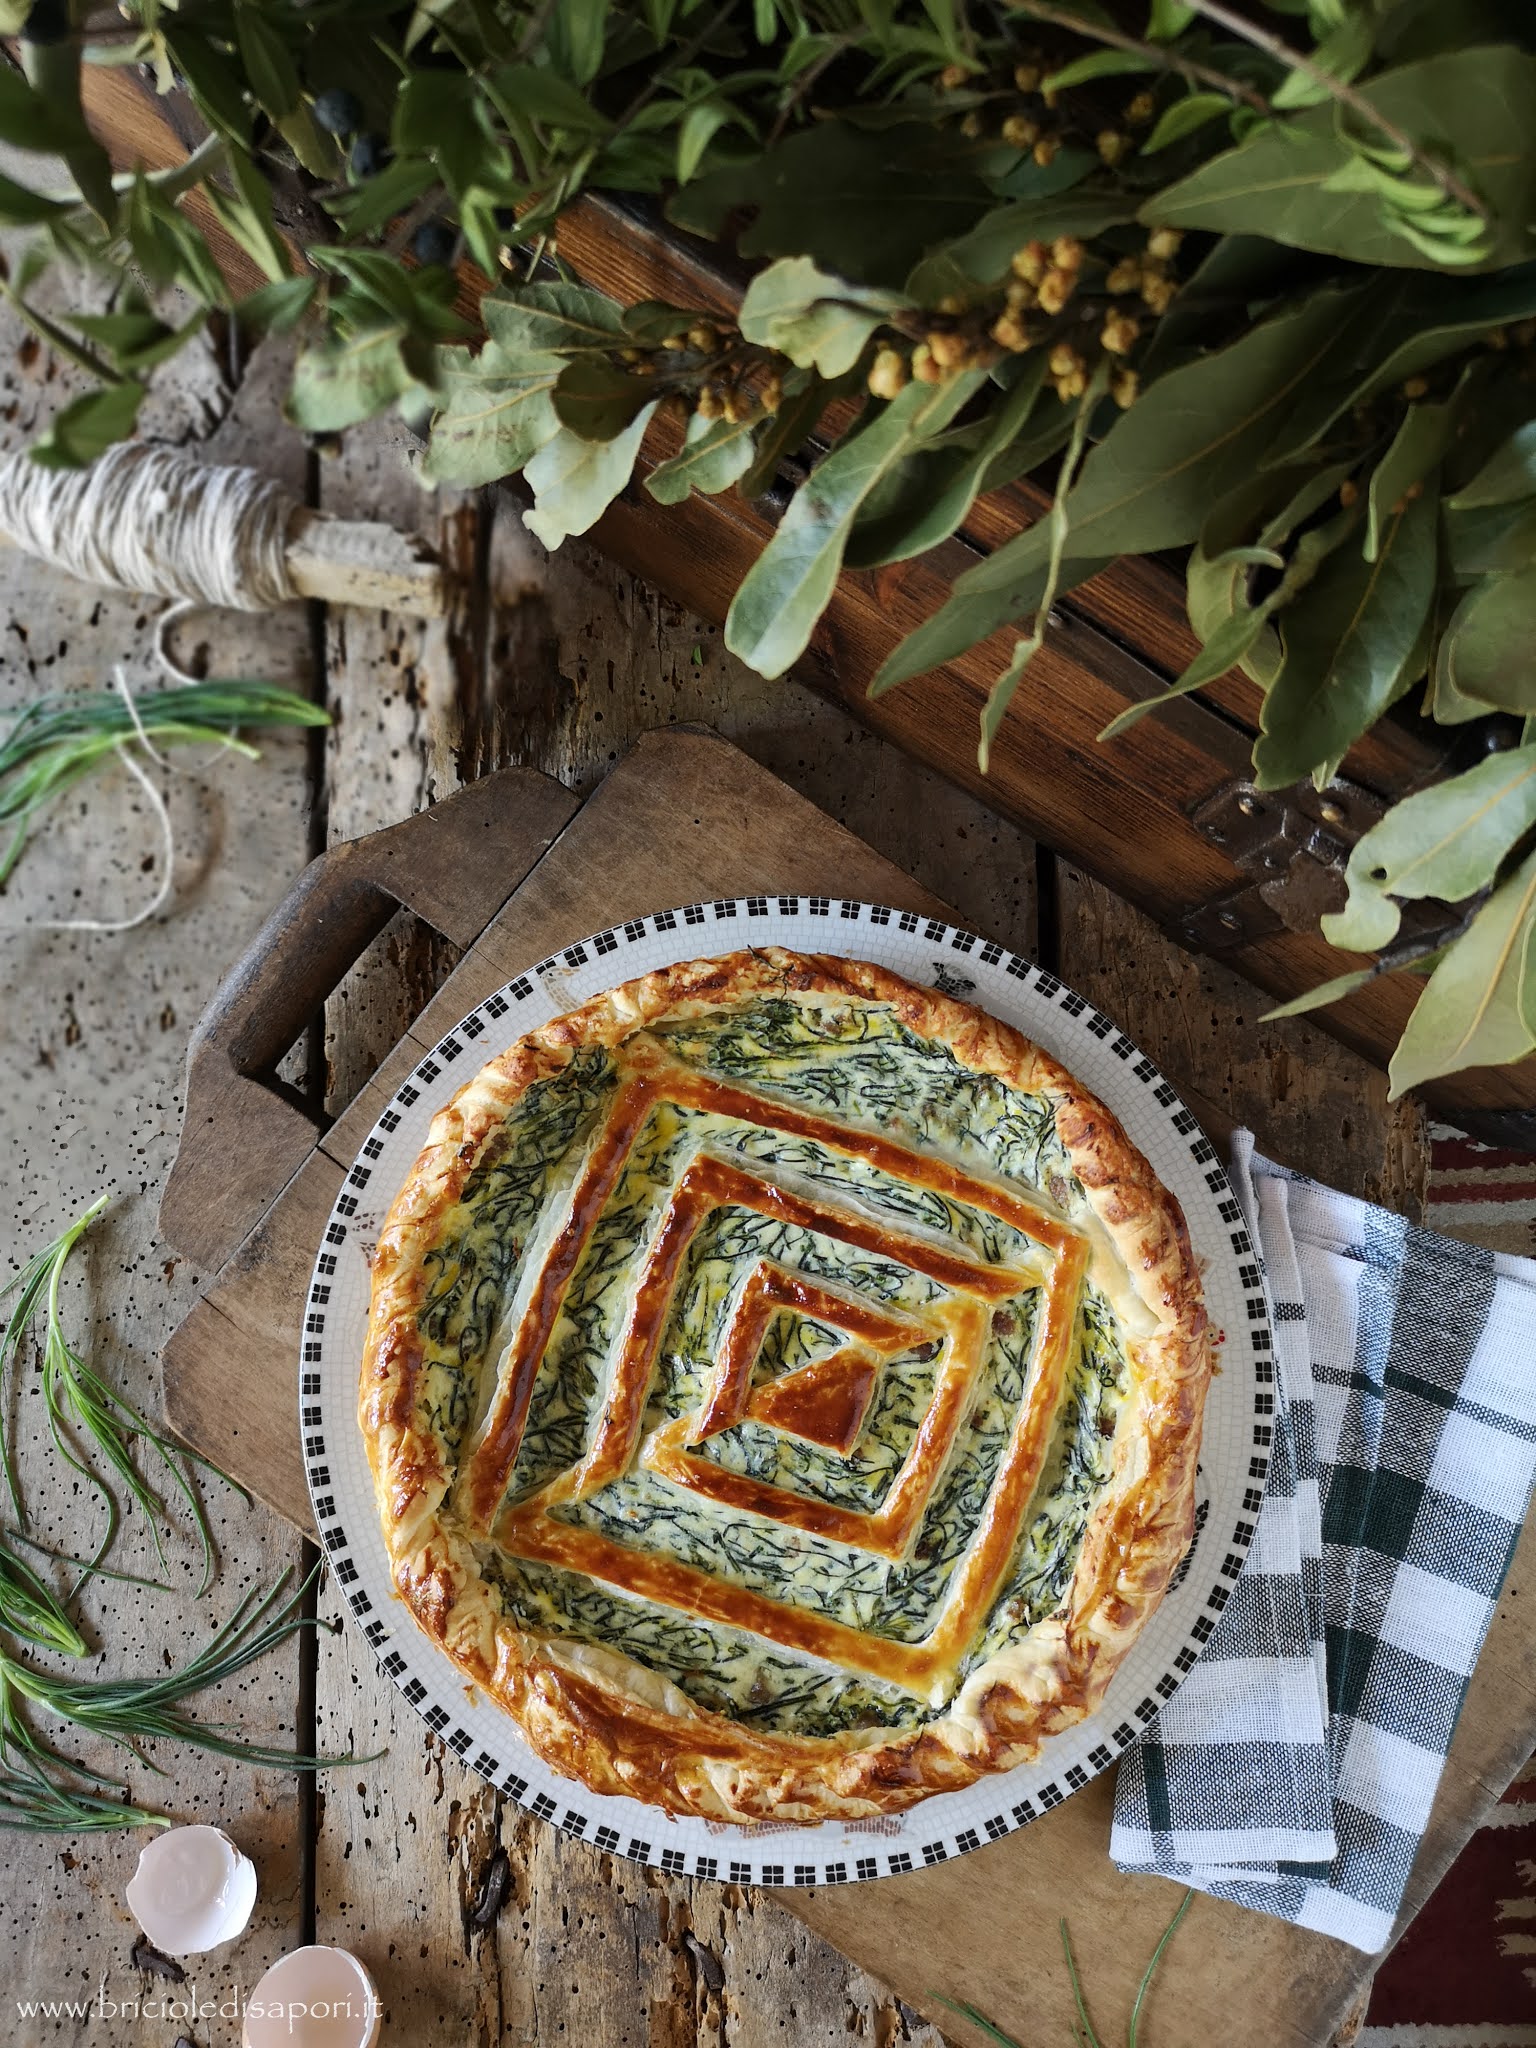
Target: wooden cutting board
{"type": "Point", "coordinates": [511, 869]}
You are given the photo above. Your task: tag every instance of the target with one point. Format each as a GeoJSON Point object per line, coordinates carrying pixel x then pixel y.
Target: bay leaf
{"type": "Point", "coordinates": [497, 412]}
{"type": "Point", "coordinates": [1318, 998]}
{"type": "Point", "coordinates": [863, 204]}
{"type": "Point", "coordinates": [1491, 540]}
{"type": "Point", "coordinates": [1349, 640]}
{"type": "Point", "coordinates": [937, 488]}
{"type": "Point", "coordinates": [1475, 105]}
{"type": "Point", "coordinates": [1476, 1005]}
{"type": "Point", "coordinates": [1151, 481]}
{"type": "Point", "coordinates": [337, 383]}
{"type": "Point", "coordinates": [575, 481]}
{"type": "Point", "coordinates": [819, 321]}
{"type": "Point", "coordinates": [564, 319]}
{"type": "Point", "coordinates": [1445, 842]}
{"type": "Point", "coordinates": [784, 593]}
{"type": "Point", "coordinates": [596, 400]}
{"type": "Point", "coordinates": [1486, 648]}
{"type": "Point", "coordinates": [715, 454]}
{"type": "Point", "coordinates": [1415, 450]}
{"type": "Point", "coordinates": [1508, 474]}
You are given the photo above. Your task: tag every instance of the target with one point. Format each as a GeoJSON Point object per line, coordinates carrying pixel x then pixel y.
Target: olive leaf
{"type": "Point", "coordinates": [1446, 842]}
{"type": "Point", "coordinates": [88, 426]}
{"type": "Point", "coordinates": [1486, 649]}
{"type": "Point", "coordinates": [1477, 1005]}
{"type": "Point", "coordinates": [787, 588]}
{"type": "Point", "coordinates": [714, 455]}
{"type": "Point", "coordinates": [1477, 106]}
{"type": "Point", "coordinates": [22, 208]}
{"type": "Point", "coordinates": [32, 121]}
{"type": "Point", "coordinates": [1151, 480]}
{"type": "Point", "coordinates": [575, 481]}
{"type": "Point", "coordinates": [820, 322]}
{"type": "Point", "coordinates": [339, 381]}
{"type": "Point", "coordinates": [598, 401]}
{"type": "Point", "coordinates": [1508, 474]}
{"type": "Point", "coordinates": [268, 66]}
{"type": "Point", "coordinates": [576, 37]}
{"type": "Point", "coordinates": [561, 318]}
{"type": "Point", "coordinates": [1349, 643]}
{"type": "Point", "coordinates": [497, 412]}
{"type": "Point", "coordinates": [936, 488]}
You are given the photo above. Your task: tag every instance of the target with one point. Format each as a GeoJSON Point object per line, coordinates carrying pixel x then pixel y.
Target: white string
{"type": "Point", "coordinates": [167, 833]}
{"type": "Point", "coordinates": [148, 517]}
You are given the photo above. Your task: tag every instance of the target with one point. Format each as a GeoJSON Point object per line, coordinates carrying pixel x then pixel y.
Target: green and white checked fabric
{"type": "Point", "coordinates": [1294, 1769]}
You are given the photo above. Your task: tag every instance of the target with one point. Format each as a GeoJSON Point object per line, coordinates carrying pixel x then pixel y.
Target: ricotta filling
{"type": "Point", "coordinates": [857, 1066]}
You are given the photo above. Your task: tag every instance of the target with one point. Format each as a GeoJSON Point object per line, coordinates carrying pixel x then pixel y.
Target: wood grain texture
{"type": "Point", "coordinates": [92, 1040]}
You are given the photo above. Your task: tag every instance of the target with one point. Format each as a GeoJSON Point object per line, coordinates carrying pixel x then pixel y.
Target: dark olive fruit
{"type": "Point", "coordinates": [434, 242]}
{"type": "Point", "coordinates": [370, 154]}
{"type": "Point", "coordinates": [338, 111]}
{"type": "Point", "coordinates": [47, 22]}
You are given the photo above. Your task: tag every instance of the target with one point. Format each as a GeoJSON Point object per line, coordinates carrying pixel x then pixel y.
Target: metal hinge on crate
{"type": "Point", "coordinates": [1292, 845]}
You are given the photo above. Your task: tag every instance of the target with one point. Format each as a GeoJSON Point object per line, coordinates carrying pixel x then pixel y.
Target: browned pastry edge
{"type": "Point", "coordinates": [596, 1715]}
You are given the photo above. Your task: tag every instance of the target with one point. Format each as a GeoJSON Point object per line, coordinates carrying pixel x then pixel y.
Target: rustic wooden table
{"type": "Point", "coordinates": [558, 666]}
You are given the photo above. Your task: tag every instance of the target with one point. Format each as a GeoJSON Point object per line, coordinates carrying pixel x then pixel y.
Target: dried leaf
{"type": "Point", "coordinates": [1151, 481]}
{"type": "Point", "coordinates": [1486, 649]}
{"type": "Point", "coordinates": [1477, 1007]}
{"type": "Point", "coordinates": [1446, 842]}
{"type": "Point", "coordinates": [1349, 642]}
{"type": "Point", "coordinates": [497, 412]}
{"type": "Point", "coordinates": [786, 590]}
{"type": "Point", "coordinates": [819, 321]}
{"type": "Point", "coordinates": [715, 454]}
{"type": "Point", "coordinates": [575, 481]}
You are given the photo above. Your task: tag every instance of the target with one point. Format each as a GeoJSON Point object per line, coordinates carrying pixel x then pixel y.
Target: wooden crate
{"type": "Point", "coordinates": [1165, 815]}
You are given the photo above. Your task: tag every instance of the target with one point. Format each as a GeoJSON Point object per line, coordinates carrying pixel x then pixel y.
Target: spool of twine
{"type": "Point", "coordinates": [150, 517]}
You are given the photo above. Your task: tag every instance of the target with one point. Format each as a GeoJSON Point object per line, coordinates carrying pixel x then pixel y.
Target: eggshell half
{"type": "Point", "coordinates": [192, 1890]}
{"type": "Point", "coordinates": [313, 1998]}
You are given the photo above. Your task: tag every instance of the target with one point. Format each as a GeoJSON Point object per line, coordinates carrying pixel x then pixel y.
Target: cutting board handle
{"type": "Point", "coordinates": [247, 1132]}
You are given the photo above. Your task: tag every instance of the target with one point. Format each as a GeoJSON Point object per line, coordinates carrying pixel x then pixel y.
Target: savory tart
{"type": "Point", "coordinates": [783, 1389]}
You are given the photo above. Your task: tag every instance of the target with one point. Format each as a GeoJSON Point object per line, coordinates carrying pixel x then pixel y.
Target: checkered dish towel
{"type": "Point", "coordinates": [1293, 1770]}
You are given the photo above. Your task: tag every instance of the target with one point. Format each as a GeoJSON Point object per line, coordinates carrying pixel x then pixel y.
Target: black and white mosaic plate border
{"type": "Point", "coordinates": [1238, 1427]}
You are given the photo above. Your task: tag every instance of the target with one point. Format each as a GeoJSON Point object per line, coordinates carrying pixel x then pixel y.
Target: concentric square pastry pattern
{"type": "Point", "coordinates": [791, 1355]}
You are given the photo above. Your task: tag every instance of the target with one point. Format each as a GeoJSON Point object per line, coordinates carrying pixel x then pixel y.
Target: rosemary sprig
{"type": "Point", "coordinates": [83, 1409]}
{"type": "Point", "coordinates": [56, 740]}
{"type": "Point", "coordinates": [132, 1711]}
{"type": "Point", "coordinates": [129, 1711]}
{"type": "Point", "coordinates": [1084, 2035]}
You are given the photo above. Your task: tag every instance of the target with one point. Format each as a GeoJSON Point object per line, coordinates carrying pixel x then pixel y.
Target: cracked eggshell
{"type": "Point", "coordinates": [313, 1998]}
{"type": "Point", "coordinates": [192, 1890]}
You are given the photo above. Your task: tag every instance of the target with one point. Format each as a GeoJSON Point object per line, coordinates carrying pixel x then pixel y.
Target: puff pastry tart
{"type": "Point", "coordinates": [783, 1388]}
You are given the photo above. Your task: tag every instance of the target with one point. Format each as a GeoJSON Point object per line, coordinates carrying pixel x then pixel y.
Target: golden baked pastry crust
{"type": "Point", "coordinates": [595, 1712]}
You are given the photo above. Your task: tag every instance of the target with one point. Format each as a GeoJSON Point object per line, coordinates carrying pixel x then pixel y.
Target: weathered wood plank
{"type": "Point", "coordinates": [92, 1038]}
{"type": "Point", "coordinates": [586, 1947]}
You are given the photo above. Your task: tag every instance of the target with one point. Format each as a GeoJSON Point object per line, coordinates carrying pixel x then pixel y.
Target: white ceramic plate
{"type": "Point", "coordinates": [1237, 1420]}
